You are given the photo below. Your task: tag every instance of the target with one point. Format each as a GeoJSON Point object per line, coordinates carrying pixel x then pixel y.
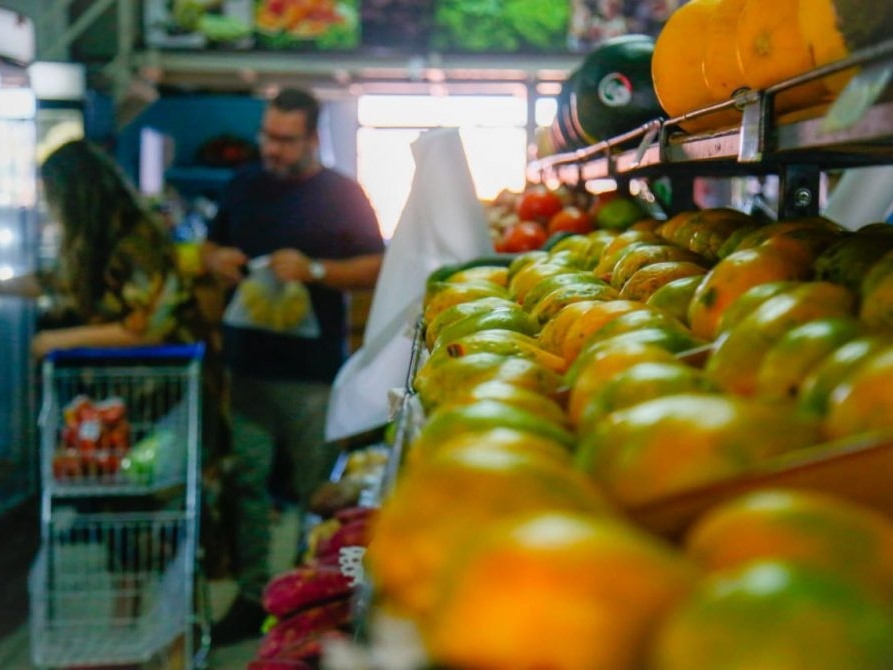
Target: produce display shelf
{"type": "Point", "coordinates": [759, 144]}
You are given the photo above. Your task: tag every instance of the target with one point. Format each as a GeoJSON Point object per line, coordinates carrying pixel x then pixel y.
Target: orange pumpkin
{"type": "Point", "coordinates": [723, 72]}
{"type": "Point", "coordinates": [779, 39]}
{"type": "Point", "coordinates": [771, 48]}
{"type": "Point", "coordinates": [676, 66]}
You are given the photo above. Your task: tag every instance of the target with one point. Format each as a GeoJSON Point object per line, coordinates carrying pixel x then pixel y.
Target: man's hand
{"type": "Point", "coordinates": [290, 265]}
{"type": "Point", "coordinates": [225, 263]}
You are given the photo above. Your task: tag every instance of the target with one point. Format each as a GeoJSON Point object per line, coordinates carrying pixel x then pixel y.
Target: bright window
{"type": "Point", "coordinates": [492, 129]}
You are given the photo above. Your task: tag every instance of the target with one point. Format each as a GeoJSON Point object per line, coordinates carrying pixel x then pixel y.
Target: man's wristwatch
{"type": "Point", "coordinates": [317, 270]}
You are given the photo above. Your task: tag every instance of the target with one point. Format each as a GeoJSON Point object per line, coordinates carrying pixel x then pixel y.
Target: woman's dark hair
{"type": "Point", "coordinates": [298, 100]}
{"type": "Point", "coordinates": [96, 205]}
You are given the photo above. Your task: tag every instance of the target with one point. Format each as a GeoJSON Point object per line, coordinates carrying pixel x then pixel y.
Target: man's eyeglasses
{"type": "Point", "coordinates": [264, 137]}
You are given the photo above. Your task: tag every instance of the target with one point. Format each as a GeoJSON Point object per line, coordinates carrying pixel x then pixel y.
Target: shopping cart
{"type": "Point", "coordinates": [114, 581]}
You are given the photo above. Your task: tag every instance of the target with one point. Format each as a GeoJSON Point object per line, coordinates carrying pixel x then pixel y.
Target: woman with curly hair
{"type": "Point", "coordinates": [116, 280]}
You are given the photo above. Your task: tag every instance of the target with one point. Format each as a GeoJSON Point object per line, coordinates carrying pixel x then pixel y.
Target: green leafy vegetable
{"type": "Point", "coordinates": [500, 25]}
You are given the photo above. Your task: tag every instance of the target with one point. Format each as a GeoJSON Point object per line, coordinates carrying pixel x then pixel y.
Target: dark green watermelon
{"type": "Point", "coordinates": [612, 91]}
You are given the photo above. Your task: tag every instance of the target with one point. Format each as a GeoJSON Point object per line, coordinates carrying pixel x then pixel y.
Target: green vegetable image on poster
{"type": "Point", "coordinates": [500, 25]}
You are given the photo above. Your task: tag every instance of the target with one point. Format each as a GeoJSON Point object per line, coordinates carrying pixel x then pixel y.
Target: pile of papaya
{"type": "Point", "coordinates": [565, 389]}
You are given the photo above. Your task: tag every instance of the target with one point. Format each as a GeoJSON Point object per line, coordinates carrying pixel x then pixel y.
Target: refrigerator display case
{"type": "Point", "coordinates": [18, 240]}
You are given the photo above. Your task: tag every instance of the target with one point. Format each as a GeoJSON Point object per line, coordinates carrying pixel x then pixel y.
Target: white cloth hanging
{"type": "Point", "coordinates": [442, 222]}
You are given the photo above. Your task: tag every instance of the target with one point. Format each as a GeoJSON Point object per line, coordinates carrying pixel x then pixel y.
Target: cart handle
{"type": "Point", "coordinates": [188, 351]}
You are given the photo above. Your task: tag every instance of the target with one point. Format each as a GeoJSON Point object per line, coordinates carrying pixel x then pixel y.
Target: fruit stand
{"type": "Point", "coordinates": [484, 588]}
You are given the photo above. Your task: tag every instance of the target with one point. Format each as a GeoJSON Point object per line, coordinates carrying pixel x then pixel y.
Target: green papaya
{"type": "Point", "coordinates": [460, 310]}
{"type": "Point", "coordinates": [440, 378]}
{"type": "Point", "coordinates": [500, 341]}
{"type": "Point", "coordinates": [445, 271]}
{"type": "Point", "coordinates": [500, 318]}
{"type": "Point", "coordinates": [538, 292]}
{"type": "Point", "coordinates": [485, 415]}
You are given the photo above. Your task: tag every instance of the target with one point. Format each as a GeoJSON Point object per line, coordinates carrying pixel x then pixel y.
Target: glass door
{"type": "Point", "coordinates": [18, 232]}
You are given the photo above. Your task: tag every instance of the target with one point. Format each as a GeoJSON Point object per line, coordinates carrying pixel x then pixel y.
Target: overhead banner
{"type": "Point", "coordinates": [400, 26]}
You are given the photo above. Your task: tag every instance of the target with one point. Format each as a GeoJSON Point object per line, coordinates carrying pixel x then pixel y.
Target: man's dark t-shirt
{"type": "Point", "coordinates": [324, 216]}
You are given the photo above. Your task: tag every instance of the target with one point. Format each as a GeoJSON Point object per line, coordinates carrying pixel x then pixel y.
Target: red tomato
{"type": "Point", "coordinates": [570, 219]}
{"type": "Point", "coordinates": [522, 236]}
{"type": "Point", "coordinates": [538, 204]}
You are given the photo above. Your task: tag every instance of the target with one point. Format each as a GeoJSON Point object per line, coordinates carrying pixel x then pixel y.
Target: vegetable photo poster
{"type": "Point", "coordinates": [400, 26]}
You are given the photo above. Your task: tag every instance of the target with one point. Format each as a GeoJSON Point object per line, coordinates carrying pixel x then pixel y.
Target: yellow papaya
{"type": "Point", "coordinates": [736, 360]}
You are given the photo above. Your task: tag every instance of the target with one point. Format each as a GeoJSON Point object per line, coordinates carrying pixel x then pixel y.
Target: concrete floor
{"type": "Point", "coordinates": [19, 531]}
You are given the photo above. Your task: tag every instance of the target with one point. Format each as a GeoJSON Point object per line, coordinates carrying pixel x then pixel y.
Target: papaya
{"type": "Point", "coordinates": [736, 360]}
{"type": "Point", "coordinates": [706, 231]}
{"type": "Point", "coordinates": [601, 363]}
{"type": "Point", "coordinates": [412, 537]}
{"type": "Point", "coordinates": [736, 273]}
{"type": "Point", "coordinates": [679, 442]}
{"type": "Point", "coordinates": [876, 294]}
{"type": "Point", "coordinates": [538, 292]}
{"type": "Point", "coordinates": [523, 259]}
{"type": "Point", "coordinates": [861, 402]}
{"type": "Point", "coordinates": [776, 609]}
{"type": "Point", "coordinates": [600, 586]}
{"type": "Point", "coordinates": [620, 240]}
{"type": "Point", "coordinates": [812, 528]}
{"type": "Point", "coordinates": [748, 301]}
{"type": "Point", "coordinates": [731, 243]}
{"type": "Point", "coordinates": [848, 260]}
{"type": "Point", "coordinates": [437, 379]}
{"type": "Point", "coordinates": [554, 332]}
{"type": "Point", "coordinates": [667, 230]}
{"type": "Point", "coordinates": [647, 224]}
{"type": "Point", "coordinates": [591, 320]}
{"type": "Point", "coordinates": [500, 318]}
{"type": "Point", "coordinates": [499, 341]}
{"type": "Point", "coordinates": [604, 269]}
{"type": "Point", "coordinates": [440, 295]}
{"type": "Point", "coordinates": [535, 272]}
{"type": "Point", "coordinates": [581, 248]}
{"type": "Point", "coordinates": [816, 231]}
{"type": "Point", "coordinates": [511, 394]}
{"type": "Point", "coordinates": [645, 281]}
{"type": "Point", "coordinates": [881, 227]}
{"type": "Point", "coordinates": [498, 438]}
{"type": "Point", "coordinates": [675, 296]}
{"type": "Point", "coordinates": [641, 382]}
{"type": "Point", "coordinates": [451, 271]}
{"type": "Point", "coordinates": [498, 274]}
{"type": "Point", "coordinates": [463, 309]}
{"type": "Point", "coordinates": [456, 418]}
{"type": "Point", "coordinates": [641, 256]}
{"type": "Point", "coordinates": [819, 384]}
{"type": "Point", "coordinates": [788, 362]}
{"type": "Point", "coordinates": [555, 300]}
{"type": "Point", "coordinates": [635, 320]}
{"type": "Point", "coordinates": [673, 339]}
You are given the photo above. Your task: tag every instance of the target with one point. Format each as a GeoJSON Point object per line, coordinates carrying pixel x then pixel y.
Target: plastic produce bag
{"type": "Point", "coordinates": [263, 302]}
{"type": "Point", "coordinates": [442, 222]}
